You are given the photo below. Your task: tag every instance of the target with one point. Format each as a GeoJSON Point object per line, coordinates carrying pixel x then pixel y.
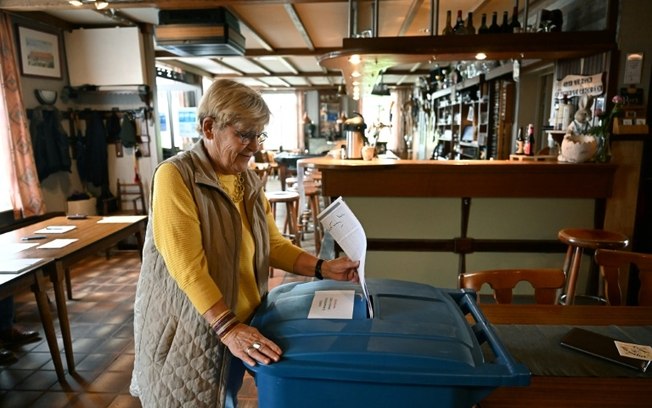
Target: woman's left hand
{"type": "Point", "coordinates": [342, 269]}
{"type": "Point", "coordinates": [249, 345]}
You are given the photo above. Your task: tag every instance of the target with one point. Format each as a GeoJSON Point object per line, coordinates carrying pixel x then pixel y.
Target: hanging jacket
{"type": "Point", "coordinates": [96, 170]}
{"type": "Point", "coordinates": [49, 142]}
{"type": "Point", "coordinates": [113, 128]}
{"type": "Point", "coordinates": [128, 131]}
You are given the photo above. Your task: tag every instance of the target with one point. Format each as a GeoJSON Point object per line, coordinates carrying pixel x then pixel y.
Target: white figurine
{"type": "Point", "coordinates": [582, 121]}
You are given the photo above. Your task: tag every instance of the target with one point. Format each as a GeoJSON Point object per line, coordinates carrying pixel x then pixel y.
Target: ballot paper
{"type": "Point", "coordinates": [55, 229]}
{"type": "Point", "coordinates": [17, 265]}
{"type": "Point", "coordinates": [332, 304]}
{"type": "Point", "coordinates": [339, 221]}
{"type": "Point", "coordinates": [7, 249]}
{"type": "Point", "coordinates": [121, 219]}
{"type": "Point", "coordinates": [57, 243]}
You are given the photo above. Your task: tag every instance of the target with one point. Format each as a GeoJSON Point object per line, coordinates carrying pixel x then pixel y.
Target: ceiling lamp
{"type": "Point", "coordinates": [380, 88]}
{"type": "Point", "coordinates": [100, 5]}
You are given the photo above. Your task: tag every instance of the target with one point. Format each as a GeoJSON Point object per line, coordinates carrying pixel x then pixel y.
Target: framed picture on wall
{"type": "Point", "coordinates": [39, 53]}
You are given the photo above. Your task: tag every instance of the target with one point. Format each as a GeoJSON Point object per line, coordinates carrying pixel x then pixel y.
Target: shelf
{"type": "Point", "coordinates": [141, 92]}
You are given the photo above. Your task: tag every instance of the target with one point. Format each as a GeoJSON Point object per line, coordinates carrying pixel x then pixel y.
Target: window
{"type": "Point", "coordinates": [282, 128]}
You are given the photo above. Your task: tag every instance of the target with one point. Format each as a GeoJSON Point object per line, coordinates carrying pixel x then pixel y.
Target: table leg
{"type": "Point", "coordinates": [68, 283]}
{"type": "Point", "coordinates": [46, 320]}
{"type": "Point", "coordinates": [57, 276]}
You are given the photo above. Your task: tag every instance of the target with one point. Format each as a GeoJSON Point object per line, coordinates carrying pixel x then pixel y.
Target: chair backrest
{"type": "Point", "coordinates": [131, 198]}
{"type": "Point", "coordinates": [545, 281]}
{"type": "Point", "coordinates": [613, 263]}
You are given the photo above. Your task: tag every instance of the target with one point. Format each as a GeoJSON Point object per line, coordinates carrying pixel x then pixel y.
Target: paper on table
{"type": "Point", "coordinates": [17, 265]}
{"type": "Point", "coordinates": [121, 219]}
{"type": "Point", "coordinates": [332, 304]}
{"type": "Point", "coordinates": [12, 248]}
{"type": "Point", "coordinates": [55, 229]}
{"type": "Point", "coordinates": [632, 350]}
{"type": "Point", "coordinates": [338, 220]}
{"type": "Point", "coordinates": [57, 243]}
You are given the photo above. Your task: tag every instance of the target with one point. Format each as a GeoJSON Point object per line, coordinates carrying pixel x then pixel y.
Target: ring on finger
{"type": "Point", "coordinates": [248, 350]}
{"type": "Point", "coordinates": [256, 345]}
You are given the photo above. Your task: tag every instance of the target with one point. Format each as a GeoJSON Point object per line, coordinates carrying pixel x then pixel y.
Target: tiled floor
{"type": "Point", "coordinates": [101, 319]}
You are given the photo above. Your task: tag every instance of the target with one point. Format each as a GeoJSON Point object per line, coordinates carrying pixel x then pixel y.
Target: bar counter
{"type": "Point", "coordinates": [420, 212]}
{"type": "Point", "coordinates": [462, 178]}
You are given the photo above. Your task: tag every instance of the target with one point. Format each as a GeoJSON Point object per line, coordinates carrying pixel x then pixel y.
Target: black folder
{"type": "Point", "coordinates": [600, 346]}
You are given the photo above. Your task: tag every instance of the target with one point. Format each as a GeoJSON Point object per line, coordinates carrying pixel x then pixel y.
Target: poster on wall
{"type": "Point", "coordinates": [39, 53]}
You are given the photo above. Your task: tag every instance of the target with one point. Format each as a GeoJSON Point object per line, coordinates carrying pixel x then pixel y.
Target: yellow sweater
{"type": "Point", "coordinates": [177, 237]}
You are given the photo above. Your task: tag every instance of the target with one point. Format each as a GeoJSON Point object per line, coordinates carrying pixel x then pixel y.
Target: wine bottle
{"type": "Point", "coordinates": [520, 141]}
{"type": "Point", "coordinates": [528, 148]}
{"type": "Point", "coordinates": [483, 25]}
{"type": "Point", "coordinates": [470, 28]}
{"type": "Point", "coordinates": [494, 27]}
{"type": "Point", "coordinates": [459, 28]}
{"type": "Point", "coordinates": [505, 27]}
{"type": "Point", "coordinates": [448, 29]}
{"type": "Point", "coordinates": [515, 24]}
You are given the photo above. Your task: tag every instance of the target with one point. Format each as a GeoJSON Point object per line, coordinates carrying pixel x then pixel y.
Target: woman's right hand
{"type": "Point", "coordinates": [250, 346]}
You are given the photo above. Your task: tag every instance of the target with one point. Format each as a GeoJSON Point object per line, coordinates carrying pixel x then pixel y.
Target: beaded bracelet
{"type": "Point", "coordinates": [224, 323]}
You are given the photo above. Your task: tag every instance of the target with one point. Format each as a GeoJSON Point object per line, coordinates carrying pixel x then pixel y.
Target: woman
{"type": "Point", "coordinates": [209, 244]}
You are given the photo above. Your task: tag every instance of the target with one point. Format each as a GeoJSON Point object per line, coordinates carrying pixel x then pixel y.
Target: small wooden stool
{"type": "Point", "coordinates": [579, 239]}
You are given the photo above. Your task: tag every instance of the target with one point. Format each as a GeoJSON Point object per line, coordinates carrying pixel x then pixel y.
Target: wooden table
{"type": "Point", "coordinates": [33, 278]}
{"type": "Point", "coordinates": [92, 237]}
{"type": "Point", "coordinates": [287, 164]}
{"type": "Point", "coordinates": [572, 391]}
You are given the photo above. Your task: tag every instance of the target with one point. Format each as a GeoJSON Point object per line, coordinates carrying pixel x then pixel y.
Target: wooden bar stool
{"type": "Point", "coordinates": [579, 239]}
{"type": "Point", "coordinates": [313, 193]}
{"type": "Point", "coordinates": [291, 223]}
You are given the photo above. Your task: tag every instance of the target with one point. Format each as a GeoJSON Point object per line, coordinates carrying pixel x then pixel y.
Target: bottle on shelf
{"type": "Point", "coordinates": [528, 148]}
{"type": "Point", "coordinates": [520, 142]}
{"type": "Point", "coordinates": [448, 28]}
{"type": "Point", "coordinates": [505, 27]}
{"type": "Point", "coordinates": [494, 27]}
{"type": "Point", "coordinates": [459, 28]}
{"type": "Point", "coordinates": [470, 28]}
{"type": "Point", "coordinates": [515, 24]}
{"type": "Point", "coordinates": [484, 29]}
{"type": "Point", "coordinates": [567, 112]}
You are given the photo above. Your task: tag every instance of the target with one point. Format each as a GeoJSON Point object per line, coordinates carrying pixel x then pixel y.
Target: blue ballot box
{"type": "Point", "coordinates": [419, 350]}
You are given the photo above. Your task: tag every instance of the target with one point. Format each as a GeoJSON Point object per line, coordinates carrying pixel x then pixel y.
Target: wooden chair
{"type": "Point", "coordinates": [546, 282]}
{"type": "Point", "coordinates": [131, 198]}
{"type": "Point", "coordinates": [613, 263]}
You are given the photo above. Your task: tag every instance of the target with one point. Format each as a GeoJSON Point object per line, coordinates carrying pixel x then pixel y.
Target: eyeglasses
{"type": "Point", "coordinates": [247, 137]}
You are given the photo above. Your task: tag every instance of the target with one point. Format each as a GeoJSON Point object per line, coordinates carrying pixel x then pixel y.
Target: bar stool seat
{"type": "Point", "coordinates": [579, 239]}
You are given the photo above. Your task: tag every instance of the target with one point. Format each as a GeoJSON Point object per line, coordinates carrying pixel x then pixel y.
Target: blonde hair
{"type": "Point", "coordinates": [231, 103]}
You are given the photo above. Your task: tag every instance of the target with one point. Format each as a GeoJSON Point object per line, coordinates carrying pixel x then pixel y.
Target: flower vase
{"type": "Point", "coordinates": [604, 149]}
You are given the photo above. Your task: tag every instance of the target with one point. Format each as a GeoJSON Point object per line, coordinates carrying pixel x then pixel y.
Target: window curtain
{"type": "Point", "coordinates": [17, 160]}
